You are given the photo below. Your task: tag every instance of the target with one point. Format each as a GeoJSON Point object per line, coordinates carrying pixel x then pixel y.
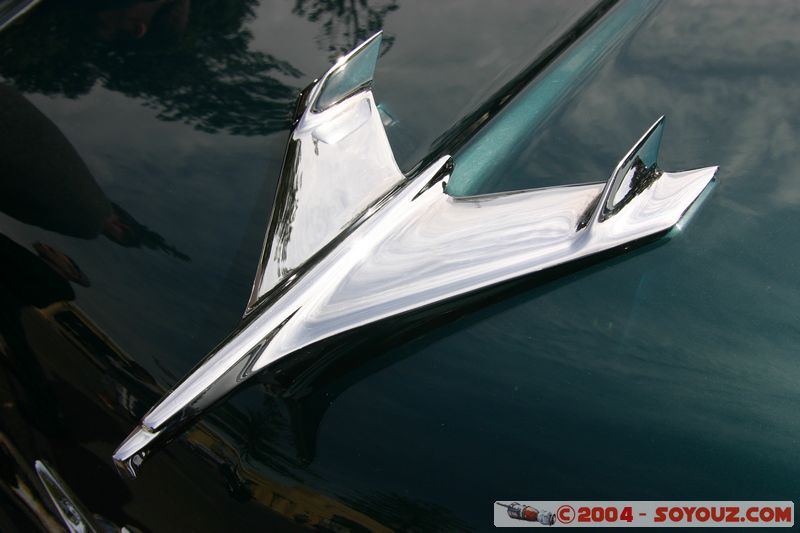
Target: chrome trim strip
{"type": "Point", "coordinates": [505, 135]}
{"type": "Point", "coordinates": [75, 516]}
{"type": "Point", "coordinates": [14, 11]}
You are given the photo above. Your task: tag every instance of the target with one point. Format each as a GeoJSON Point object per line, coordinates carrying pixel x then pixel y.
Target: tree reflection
{"type": "Point", "coordinates": [346, 23]}
{"type": "Point", "coordinates": [191, 66]}
{"type": "Point", "coordinates": [189, 61]}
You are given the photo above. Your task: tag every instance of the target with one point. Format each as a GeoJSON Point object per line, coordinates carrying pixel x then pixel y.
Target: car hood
{"type": "Point", "coordinates": [149, 163]}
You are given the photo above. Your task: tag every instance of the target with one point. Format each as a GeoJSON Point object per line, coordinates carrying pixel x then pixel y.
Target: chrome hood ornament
{"type": "Point", "coordinates": [352, 241]}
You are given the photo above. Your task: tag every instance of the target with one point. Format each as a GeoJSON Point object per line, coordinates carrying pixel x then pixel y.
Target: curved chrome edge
{"type": "Point", "coordinates": [130, 455]}
{"type": "Point", "coordinates": [348, 228]}
{"type": "Point", "coordinates": [351, 73]}
{"type": "Point", "coordinates": [74, 515]}
{"type": "Point", "coordinates": [15, 13]}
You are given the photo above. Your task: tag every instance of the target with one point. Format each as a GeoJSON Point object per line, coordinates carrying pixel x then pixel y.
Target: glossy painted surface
{"type": "Point", "coordinates": [582, 381]}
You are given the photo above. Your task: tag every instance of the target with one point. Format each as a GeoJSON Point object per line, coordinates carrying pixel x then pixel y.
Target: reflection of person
{"type": "Point", "coordinates": [163, 19]}
{"type": "Point", "coordinates": [44, 182]}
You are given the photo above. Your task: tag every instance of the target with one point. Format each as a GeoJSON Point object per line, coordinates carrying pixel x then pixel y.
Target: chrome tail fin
{"type": "Point", "coordinates": [640, 198]}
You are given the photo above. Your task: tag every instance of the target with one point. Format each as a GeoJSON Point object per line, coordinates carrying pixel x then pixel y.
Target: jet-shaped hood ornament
{"type": "Point", "coordinates": [352, 240]}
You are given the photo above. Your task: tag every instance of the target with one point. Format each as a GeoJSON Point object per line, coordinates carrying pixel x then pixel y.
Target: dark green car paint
{"type": "Point", "coordinates": [668, 373]}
